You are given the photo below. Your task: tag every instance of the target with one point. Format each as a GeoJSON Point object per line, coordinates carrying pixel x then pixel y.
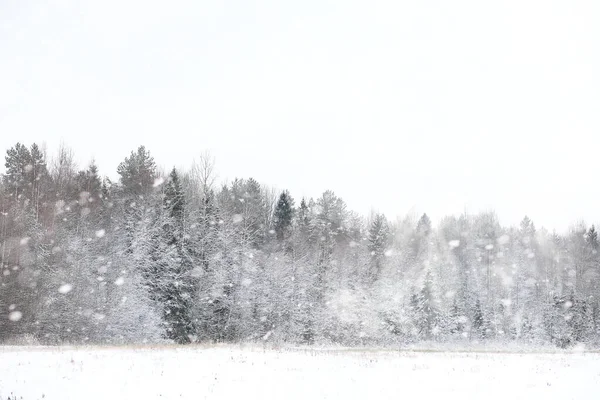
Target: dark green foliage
{"type": "Point", "coordinates": [17, 177]}
{"type": "Point", "coordinates": [89, 184]}
{"type": "Point", "coordinates": [175, 288]}
{"type": "Point", "coordinates": [26, 175]}
{"type": "Point", "coordinates": [137, 172]}
{"type": "Point", "coordinates": [303, 217]}
{"type": "Point", "coordinates": [283, 215]}
{"type": "Point", "coordinates": [592, 238]}
{"type": "Point", "coordinates": [481, 324]}
{"type": "Point", "coordinates": [174, 204]}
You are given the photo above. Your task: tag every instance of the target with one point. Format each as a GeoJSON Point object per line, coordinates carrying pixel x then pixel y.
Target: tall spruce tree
{"type": "Point", "coordinates": [378, 237]}
{"type": "Point", "coordinates": [283, 215]}
{"type": "Point", "coordinates": [176, 290]}
{"type": "Point", "coordinates": [137, 172]}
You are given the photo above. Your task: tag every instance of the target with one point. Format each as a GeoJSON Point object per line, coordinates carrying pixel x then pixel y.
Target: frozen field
{"type": "Point", "coordinates": [254, 373]}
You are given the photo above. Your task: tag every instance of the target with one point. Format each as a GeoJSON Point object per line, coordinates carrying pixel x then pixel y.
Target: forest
{"type": "Point", "coordinates": [175, 257]}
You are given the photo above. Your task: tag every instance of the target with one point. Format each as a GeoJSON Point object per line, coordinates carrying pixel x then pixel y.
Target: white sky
{"type": "Point", "coordinates": [404, 106]}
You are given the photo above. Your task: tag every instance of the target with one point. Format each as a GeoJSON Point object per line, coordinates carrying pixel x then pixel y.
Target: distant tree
{"type": "Point", "coordinates": [170, 280]}
{"type": "Point", "coordinates": [424, 226]}
{"type": "Point", "coordinates": [303, 217]}
{"type": "Point", "coordinates": [283, 216]}
{"type": "Point", "coordinates": [378, 238]}
{"type": "Point", "coordinates": [138, 172]}
{"type": "Point", "coordinates": [85, 260]}
{"type": "Point", "coordinates": [18, 167]}
{"type": "Point", "coordinates": [26, 175]}
{"type": "Point", "coordinates": [425, 313]}
{"type": "Point", "coordinates": [421, 239]}
{"type": "Point", "coordinates": [89, 184]}
{"type": "Point", "coordinates": [63, 173]}
{"type": "Point", "coordinates": [479, 320]}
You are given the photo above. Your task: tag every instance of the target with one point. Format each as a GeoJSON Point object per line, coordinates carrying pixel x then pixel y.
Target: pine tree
{"type": "Point", "coordinates": [420, 241]}
{"type": "Point", "coordinates": [26, 176]}
{"type": "Point", "coordinates": [425, 313]}
{"type": "Point", "coordinates": [89, 183]}
{"type": "Point", "coordinates": [173, 202]}
{"type": "Point", "coordinates": [424, 226]}
{"type": "Point", "coordinates": [18, 168]}
{"type": "Point", "coordinates": [303, 217]}
{"type": "Point", "coordinates": [479, 320]}
{"type": "Point", "coordinates": [137, 172]}
{"type": "Point", "coordinates": [592, 238]}
{"type": "Point", "coordinates": [378, 237]}
{"type": "Point", "coordinates": [283, 215]}
{"type": "Point", "coordinates": [176, 289]}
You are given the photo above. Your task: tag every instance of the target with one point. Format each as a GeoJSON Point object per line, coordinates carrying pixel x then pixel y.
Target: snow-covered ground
{"type": "Point", "coordinates": [254, 373]}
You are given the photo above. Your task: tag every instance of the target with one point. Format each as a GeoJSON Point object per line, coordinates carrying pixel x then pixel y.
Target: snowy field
{"type": "Point", "coordinates": [254, 373]}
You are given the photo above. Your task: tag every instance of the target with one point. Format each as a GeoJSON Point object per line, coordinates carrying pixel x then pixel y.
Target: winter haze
{"type": "Point", "coordinates": [404, 107]}
{"type": "Point", "coordinates": [299, 199]}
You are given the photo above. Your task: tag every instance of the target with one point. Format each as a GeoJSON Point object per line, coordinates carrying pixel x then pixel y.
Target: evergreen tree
{"type": "Point", "coordinates": [84, 260]}
{"type": "Point", "coordinates": [424, 226]}
{"type": "Point", "coordinates": [479, 320]}
{"type": "Point", "coordinates": [89, 183]}
{"type": "Point", "coordinates": [176, 286]}
{"type": "Point", "coordinates": [420, 241]}
{"type": "Point", "coordinates": [425, 313]}
{"type": "Point", "coordinates": [378, 238]}
{"type": "Point", "coordinates": [283, 215]}
{"type": "Point", "coordinates": [303, 217]}
{"type": "Point", "coordinates": [137, 172]}
{"type": "Point", "coordinates": [592, 238]}
{"type": "Point", "coordinates": [18, 168]}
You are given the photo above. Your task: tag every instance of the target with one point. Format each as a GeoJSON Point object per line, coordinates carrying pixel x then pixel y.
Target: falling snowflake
{"type": "Point", "coordinates": [64, 289]}
{"type": "Point", "coordinates": [454, 243]}
{"type": "Point", "coordinates": [158, 182]}
{"type": "Point", "coordinates": [246, 282]}
{"type": "Point", "coordinates": [506, 302]}
{"type": "Point", "coordinates": [503, 239]}
{"type": "Point", "coordinates": [15, 316]}
{"type": "Point", "coordinates": [120, 280]}
{"type": "Point", "coordinates": [197, 272]}
{"type": "Point", "coordinates": [100, 233]}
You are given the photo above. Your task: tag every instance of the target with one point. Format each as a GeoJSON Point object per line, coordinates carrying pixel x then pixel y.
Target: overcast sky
{"type": "Point", "coordinates": [401, 106]}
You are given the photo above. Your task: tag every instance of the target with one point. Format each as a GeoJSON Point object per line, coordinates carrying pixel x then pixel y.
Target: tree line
{"type": "Point", "coordinates": [175, 257]}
